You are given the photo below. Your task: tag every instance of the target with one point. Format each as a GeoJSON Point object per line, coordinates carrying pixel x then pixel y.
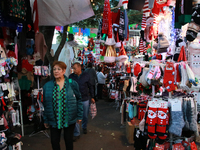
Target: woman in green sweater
{"type": "Point", "coordinates": [62, 106]}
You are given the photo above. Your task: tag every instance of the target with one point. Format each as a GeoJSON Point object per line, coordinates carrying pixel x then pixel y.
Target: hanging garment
{"type": "Point", "coordinates": [40, 45]}
{"type": "Point", "coordinates": [67, 55]}
{"type": "Point", "coordinates": [107, 19]}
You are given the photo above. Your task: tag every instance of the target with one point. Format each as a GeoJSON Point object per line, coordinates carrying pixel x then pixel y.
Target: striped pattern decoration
{"type": "Point", "coordinates": [146, 10]}
{"type": "Point", "coordinates": [142, 47]}
{"type": "Point", "coordinates": [60, 106]}
{"type": "Point", "coordinates": [144, 22]}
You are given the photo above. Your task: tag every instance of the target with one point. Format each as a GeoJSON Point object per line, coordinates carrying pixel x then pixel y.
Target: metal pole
{"type": "Point", "coordinates": [21, 114]}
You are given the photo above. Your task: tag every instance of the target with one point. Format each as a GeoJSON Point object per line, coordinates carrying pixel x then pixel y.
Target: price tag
{"type": "Point", "coordinates": [176, 105]}
{"type": "Point", "coordinates": [192, 103]}
{"type": "Point", "coordinates": [4, 87]}
{"type": "Point", "coordinates": [1, 121]}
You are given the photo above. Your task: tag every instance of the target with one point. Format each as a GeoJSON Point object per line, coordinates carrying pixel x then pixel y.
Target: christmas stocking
{"type": "Point", "coordinates": [177, 122]}
{"type": "Point", "coordinates": [168, 78]}
{"type": "Point", "coordinates": [141, 110]}
{"type": "Point", "coordinates": [162, 123]}
{"type": "Point", "coordinates": [151, 121]}
{"type": "Point", "coordinates": [184, 77]}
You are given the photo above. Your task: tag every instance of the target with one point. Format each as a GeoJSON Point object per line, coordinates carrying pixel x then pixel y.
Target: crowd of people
{"type": "Point", "coordinates": [67, 100]}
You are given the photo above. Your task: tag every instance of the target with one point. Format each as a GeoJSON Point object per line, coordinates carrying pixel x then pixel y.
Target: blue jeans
{"type": "Point", "coordinates": [86, 105]}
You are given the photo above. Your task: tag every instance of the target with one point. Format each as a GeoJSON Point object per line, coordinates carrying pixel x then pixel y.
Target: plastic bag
{"type": "Point", "coordinates": [93, 110]}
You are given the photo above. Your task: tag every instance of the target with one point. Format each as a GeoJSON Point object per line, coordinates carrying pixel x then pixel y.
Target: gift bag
{"type": "Point", "coordinates": [93, 110]}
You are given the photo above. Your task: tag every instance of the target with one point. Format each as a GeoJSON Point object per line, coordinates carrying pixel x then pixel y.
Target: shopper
{"type": "Point", "coordinates": [87, 93]}
{"type": "Point", "coordinates": [93, 77]}
{"type": "Point", "coordinates": [62, 106]}
{"type": "Point", "coordinates": [101, 81]}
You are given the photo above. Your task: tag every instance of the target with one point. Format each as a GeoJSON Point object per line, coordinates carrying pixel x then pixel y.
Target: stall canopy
{"type": "Point", "coordinates": [63, 12]}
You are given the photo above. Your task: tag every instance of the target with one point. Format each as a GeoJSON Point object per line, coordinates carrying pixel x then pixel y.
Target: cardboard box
{"type": "Point", "coordinates": [130, 132]}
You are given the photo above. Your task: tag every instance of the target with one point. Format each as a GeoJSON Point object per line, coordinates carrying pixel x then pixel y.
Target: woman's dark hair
{"type": "Point", "coordinates": [60, 64]}
{"type": "Point", "coordinates": [99, 69]}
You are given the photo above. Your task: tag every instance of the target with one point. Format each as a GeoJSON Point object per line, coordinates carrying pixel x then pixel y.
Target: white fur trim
{"type": "Point", "coordinates": [109, 59]}
{"type": "Point", "coordinates": [115, 25]}
{"type": "Point", "coordinates": [122, 58]}
{"type": "Point", "coordinates": [182, 44]}
{"type": "Point", "coordinates": [110, 41]}
{"type": "Point", "coordinates": [118, 44]}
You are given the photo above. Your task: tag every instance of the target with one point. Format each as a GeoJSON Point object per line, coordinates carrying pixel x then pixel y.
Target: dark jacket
{"type": "Point", "coordinates": [93, 75]}
{"type": "Point", "coordinates": [74, 103]}
{"type": "Point", "coordinates": [85, 87]}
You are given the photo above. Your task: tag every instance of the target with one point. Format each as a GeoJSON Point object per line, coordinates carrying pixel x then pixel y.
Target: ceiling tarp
{"type": "Point", "coordinates": [63, 12]}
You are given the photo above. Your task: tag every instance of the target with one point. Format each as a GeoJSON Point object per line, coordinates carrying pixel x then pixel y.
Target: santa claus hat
{"type": "Point", "coordinates": [118, 44]}
{"type": "Point", "coordinates": [125, 4]}
{"type": "Point", "coordinates": [110, 55]}
{"type": "Point", "coordinates": [182, 55]}
{"type": "Point", "coordinates": [122, 54]}
{"type": "Point", "coordinates": [110, 41]}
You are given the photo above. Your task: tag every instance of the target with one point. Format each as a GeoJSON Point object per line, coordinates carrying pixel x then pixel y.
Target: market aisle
{"type": "Point", "coordinates": [104, 133]}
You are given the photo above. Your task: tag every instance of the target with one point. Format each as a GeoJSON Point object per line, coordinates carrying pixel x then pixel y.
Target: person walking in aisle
{"type": "Point", "coordinates": [87, 92]}
{"type": "Point", "coordinates": [101, 81]}
{"type": "Point", "coordinates": [62, 106]}
{"type": "Point", "coordinates": [93, 77]}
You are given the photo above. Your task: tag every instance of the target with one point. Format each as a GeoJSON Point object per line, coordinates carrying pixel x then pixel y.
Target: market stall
{"type": "Point", "coordinates": [156, 84]}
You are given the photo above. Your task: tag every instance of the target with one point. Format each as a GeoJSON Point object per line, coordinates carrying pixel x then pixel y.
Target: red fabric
{"type": "Point", "coordinates": [107, 19]}
{"type": "Point", "coordinates": [27, 65]}
{"type": "Point", "coordinates": [137, 69]}
{"type": "Point", "coordinates": [162, 5]}
{"type": "Point", "coordinates": [36, 19]}
{"type": "Point", "coordinates": [122, 50]}
{"type": "Point", "coordinates": [3, 103]}
{"type": "Point", "coordinates": [79, 54]}
{"type": "Point", "coordinates": [162, 122]}
{"type": "Point", "coordinates": [182, 55]}
{"type": "Point", "coordinates": [141, 110]}
{"type": "Point", "coordinates": [2, 42]}
{"type": "Point", "coordinates": [91, 44]}
{"type": "Point", "coordinates": [168, 79]}
{"type": "Point", "coordinates": [151, 122]}
{"type": "Point", "coordinates": [115, 17]}
{"type": "Point", "coordinates": [159, 7]}
{"type": "Point", "coordinates": [128, 69]}
{"type": "Point", "coordinates": [11, 54]}
{"type": "Point", "coordinates": [103, 52]}
{"type": "Point", "coordinates": [159, 56]}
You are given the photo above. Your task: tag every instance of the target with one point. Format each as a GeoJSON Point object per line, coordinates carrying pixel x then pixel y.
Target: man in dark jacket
{"type": "Point", "coordinates": [87, 92]}
{"type": "Point", "coordinates": [93, 77]}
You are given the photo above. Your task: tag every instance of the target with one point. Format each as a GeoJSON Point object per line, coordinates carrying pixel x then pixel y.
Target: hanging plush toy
{"type": "Point", "coordinates": [90, 44]}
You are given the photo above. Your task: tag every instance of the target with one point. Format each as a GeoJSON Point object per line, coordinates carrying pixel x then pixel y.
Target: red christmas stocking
{"type": "Point", "coordinates": [162, 123]}
{"type": "Point", "coordinates": [141, 110]}
{"type": "Point", "coordinates": [151, 121]}
{"type": "Point", "coordinates": [168, 78]}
